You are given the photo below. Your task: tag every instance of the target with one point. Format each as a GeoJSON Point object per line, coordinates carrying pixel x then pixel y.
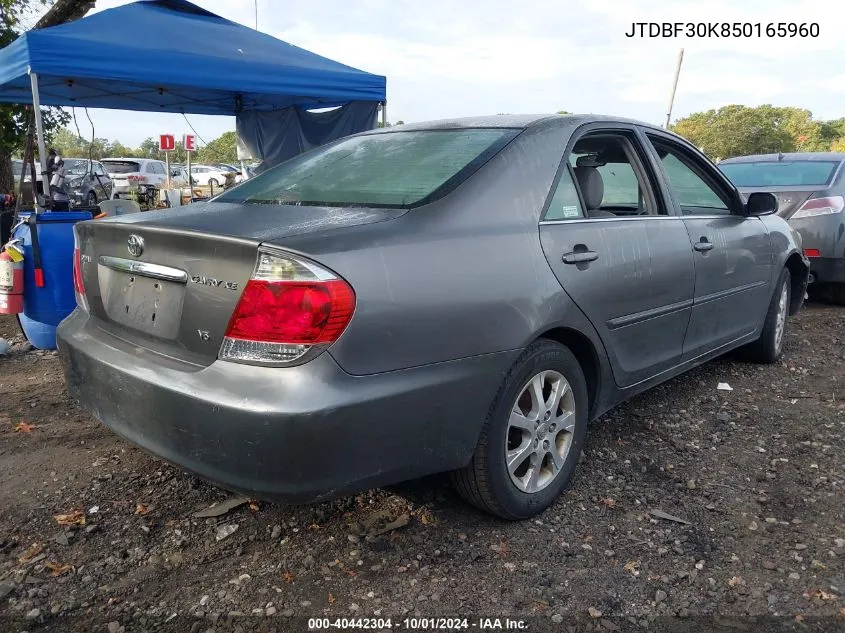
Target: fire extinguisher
{"type": "Point", "coordinates": [11, 280]}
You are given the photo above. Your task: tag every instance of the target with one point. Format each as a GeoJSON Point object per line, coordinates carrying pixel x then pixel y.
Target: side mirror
{"type": "Point", "coordinates": [761, 203]}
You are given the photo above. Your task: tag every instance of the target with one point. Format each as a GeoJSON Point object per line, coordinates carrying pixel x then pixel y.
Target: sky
{"type": "Point", "coordinates": [450, 58]}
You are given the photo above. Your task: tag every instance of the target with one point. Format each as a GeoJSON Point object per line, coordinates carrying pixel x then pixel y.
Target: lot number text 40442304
{"type": "Point", "coordinates": [723, 29]}
{"type": "Point", "coordinates": [417, 624]}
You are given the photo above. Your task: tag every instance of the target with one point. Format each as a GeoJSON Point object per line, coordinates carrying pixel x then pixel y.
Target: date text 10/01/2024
{"type": "Point", "coordinates": [418, 624]}
{"type": "Point", "coordinates": [723, 29]}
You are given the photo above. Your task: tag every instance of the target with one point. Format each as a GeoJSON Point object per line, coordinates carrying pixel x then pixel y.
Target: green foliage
{"type": "Point", "coordinates": [737, 130]}
{"type": "Point", "coordinates": [223, 149]}
{"type": "Point", "coordinates": [67, 142]}
{"type": "Point", "coordinates": [14, 119]}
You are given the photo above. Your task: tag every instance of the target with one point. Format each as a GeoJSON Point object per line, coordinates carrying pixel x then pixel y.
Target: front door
{"type": "Point", "coordinates": [733, 257]}
{"type": "Point", "coordinates": [619, 255]}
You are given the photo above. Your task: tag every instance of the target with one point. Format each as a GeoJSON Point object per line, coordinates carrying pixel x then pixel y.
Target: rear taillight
{"type": "Point", "coordinates": [289, 308]}
{"type": "Point", "coordinates": [137, 178]}
{"type": "Point", "coordinates": [812, 252]}
{"type": "Point", "coordinates": [820, 206]}
{"type": "Point", "coordinates": [78, 283]}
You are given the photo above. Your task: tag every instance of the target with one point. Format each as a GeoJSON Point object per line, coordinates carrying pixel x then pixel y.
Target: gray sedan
{"type": "Point", "coordinates": [456, 296]}
{"type": "Point", "coordinates": [810, 188]}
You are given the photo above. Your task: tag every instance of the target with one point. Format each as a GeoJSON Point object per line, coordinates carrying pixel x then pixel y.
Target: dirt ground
{"type": "Point", "coordinates": [753, 481]}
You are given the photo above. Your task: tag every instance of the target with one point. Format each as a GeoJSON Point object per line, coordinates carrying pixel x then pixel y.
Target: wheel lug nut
{"type": "Point", "coordinates": [546, 444]}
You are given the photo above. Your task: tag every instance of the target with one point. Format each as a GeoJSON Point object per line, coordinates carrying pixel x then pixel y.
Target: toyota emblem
{"type": "Point", "coordinates": [135, 244]}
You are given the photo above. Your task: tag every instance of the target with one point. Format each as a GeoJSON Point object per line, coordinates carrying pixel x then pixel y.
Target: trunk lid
{"type": "Point", "coordinates": [168, 281]}
{"type": "Point", "coordinates": [790, 199]}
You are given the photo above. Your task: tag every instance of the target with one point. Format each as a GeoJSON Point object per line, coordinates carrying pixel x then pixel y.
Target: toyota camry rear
{"type": "Point", "coordinates": [262, 340]}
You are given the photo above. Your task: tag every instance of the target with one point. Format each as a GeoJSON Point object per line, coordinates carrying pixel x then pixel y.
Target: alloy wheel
{"type": "Point", "coordinates": [780, 319]}
{"type": "Point", "coordinates": [540, 431]}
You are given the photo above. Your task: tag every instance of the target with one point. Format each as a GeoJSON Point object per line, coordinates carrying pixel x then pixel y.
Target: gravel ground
{"type": "Point", "coordinates": [693, 507]}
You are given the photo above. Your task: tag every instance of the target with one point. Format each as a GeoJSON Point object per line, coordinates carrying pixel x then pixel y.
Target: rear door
{"type": "Point", "coordinates": [732, 252]}
{"type": "Point", "coordinates": [632, 276]}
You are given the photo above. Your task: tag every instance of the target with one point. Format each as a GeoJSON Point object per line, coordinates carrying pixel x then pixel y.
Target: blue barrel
{"type": "Point", "coordinates": [44, 308]}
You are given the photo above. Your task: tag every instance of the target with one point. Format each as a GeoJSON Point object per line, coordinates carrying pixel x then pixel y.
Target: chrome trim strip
{"type": "Point", "coordinates": [628, 218]}
{"type": "Point", "coordinates": [616, 219]}
{"type": "Point", "coordinates": [144, 269]}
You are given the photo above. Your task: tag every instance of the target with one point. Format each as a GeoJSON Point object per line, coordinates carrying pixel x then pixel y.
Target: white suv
{"type": "Point", "coordinates": [128, 173]}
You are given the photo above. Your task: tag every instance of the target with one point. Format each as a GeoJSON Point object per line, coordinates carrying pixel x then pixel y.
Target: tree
{"type": "Point", "coordinates": [223, 149]}
{"type": "Point", "coordinates": [116, 149]}
{"type": "Point", "coordinates": [838, 145]}
{"type": "Point", "coordinates": [14, 119]}
{"type": "Point", "coordinates": [737, 130]}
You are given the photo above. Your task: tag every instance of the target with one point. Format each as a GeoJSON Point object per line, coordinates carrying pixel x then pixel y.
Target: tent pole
{"type": "Point", "coordinates": [384, 113]}
{"type": "Point", "coordinates": [39, 128]}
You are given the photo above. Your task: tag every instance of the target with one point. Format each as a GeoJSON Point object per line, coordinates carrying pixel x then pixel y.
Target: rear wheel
{"type": "Point", "coordinates": [769, 347]}
{"type": "Point", "coordinates": [532, 438]}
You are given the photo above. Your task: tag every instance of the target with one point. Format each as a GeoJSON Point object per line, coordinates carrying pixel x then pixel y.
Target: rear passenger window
{"type": "Point", "coordinates": [621, 187]}
{"type": "Point", "coordinates": [565, 204]}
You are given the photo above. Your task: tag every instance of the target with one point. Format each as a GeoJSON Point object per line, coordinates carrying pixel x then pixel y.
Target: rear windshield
{"type": "Point", "coordinates": [76, 167]}
{"type": "Point", "coordinates": [780, 174]}
{"type": "Point", "coordinates": [395, 169]}
{"type": "Point", "coordinates": [121, 166]}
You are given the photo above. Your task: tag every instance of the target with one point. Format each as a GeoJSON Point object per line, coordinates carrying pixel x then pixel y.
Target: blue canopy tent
{"type": "Point", "coordinates": [173, 56]}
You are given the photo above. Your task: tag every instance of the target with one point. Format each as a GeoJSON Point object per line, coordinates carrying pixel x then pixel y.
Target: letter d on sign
{"type": "Point", "coordinates": [166, 143]}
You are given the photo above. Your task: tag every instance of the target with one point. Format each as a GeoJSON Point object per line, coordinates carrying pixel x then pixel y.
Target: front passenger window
{"type": "Point", "coordinates": [694, 194]}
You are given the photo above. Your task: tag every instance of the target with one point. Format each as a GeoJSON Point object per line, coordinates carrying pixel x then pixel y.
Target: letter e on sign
{"type": "Point", "coordinates": [166, 143]}
{"type": "Point", "coordinates": [189, 143]}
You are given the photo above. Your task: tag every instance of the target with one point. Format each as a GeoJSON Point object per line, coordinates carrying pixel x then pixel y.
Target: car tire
{"type": "Point", "coordinates": [523, 489]}
{"type": "Point", "coordinates": [769, 347]}
{"type": "Point", "coordinates": [212, 182]}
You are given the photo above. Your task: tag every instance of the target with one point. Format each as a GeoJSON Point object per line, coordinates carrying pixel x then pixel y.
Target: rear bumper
{"type": "Point", "coordinates": [827, 269]}
{"type": "Point", "coordinates": [296, 435]}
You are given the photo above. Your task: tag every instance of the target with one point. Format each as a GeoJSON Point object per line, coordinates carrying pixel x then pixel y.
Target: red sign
{"type": "Point", "coordinates": [189, 143]}
{"type": "Point", "coordinates": [166, 143]}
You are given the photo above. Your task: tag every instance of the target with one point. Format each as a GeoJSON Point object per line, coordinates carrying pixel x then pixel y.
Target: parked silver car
{"type": "Point", "coordinates": [86, 182]}
{"type": "Point", "coordinates": [457, 296]}
{"type": "Point", "coordinates": [810, 188]}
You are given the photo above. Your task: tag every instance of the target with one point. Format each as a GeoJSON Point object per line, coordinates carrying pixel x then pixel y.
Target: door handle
{"type": "Point", "coordinates": [703, 246]}
{"type": "Point", "coordinates": [577, 257]}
